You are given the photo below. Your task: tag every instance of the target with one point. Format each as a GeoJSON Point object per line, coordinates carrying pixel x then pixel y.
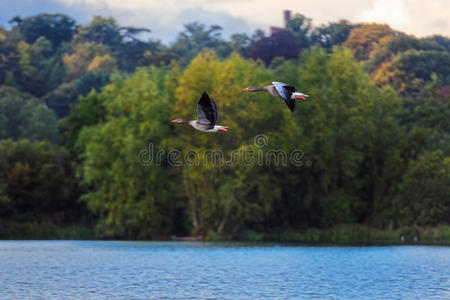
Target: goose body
{"type": "Point", "coordinates": [206, 116]}
{"type": "Point", "coordinates": [281, 90]}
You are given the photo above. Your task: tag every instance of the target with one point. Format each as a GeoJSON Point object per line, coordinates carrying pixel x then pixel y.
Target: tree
{"type": "Point", "coordinates": [78, 62]}
{"type": "Point", "coordinates": [125, 46]}
{"type": "Point", "coordinates": [391, 45]}
{"type": "Point", "coordinates": [362, 40]}
{"type": "Point", "coordinates": [23, 116]}
{"type": "Point", "coordinates": [103, 64]}
{"type": "Point", "coordinates": [424, 191]}
{"type": "Point", "coordinates": [100, 30]}
{"type": "Point", "coordinates": [130, 198]}
{"type": "Point", "coordinates": [223, 199]}
{"type": "Point", "coordinates": [351, 129]}
{"type": "Point", "coordinates": [38, 72]}
{"type": "Point", "coordinates": [278, 44]}
{"type": "Point", "coordinates": [38, 123]}
{"type": "Point", "coordinates": [408, 72]}
{"type": "Point", "coordinates": [38, 181]}
{"type": "Point", "coordinates": [92, 80]}
{"type": "Point", "coordinates": [130, 53]}
{"type": "Point", "coordinates": [4, 51]}
{"type": "Point", "coordinates": [430, 112]}
{"type": "Point", "coordinates": [89, 111]}
{"type": "Point", "coordinates": [302, 29]}
{"type": "Point", "coordinates": [195, 38]}
{"type": "Point", "coordinates": [60, 99]}
{"type": "Point", "coordinates": [240, 43]}
{"type": "Point", "coordinates": [441, 40]}
{"type": "Point", "coordinates": [57, 28]}
{"type": "Point", "coordinates": [333, 34]}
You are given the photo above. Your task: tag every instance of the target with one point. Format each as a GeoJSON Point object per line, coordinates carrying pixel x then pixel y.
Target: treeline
{"type": "Point", "coordinates": [79, 103]}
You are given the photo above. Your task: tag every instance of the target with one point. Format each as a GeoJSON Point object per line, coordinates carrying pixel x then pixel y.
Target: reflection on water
{"type": "Point", "coordinates": [190, 270]}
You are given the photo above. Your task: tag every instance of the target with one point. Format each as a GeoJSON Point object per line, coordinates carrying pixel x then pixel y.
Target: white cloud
{"type": "Point", "coordinates": [412, 16]}
{"type": "Point", "coordinates": [393, 12]}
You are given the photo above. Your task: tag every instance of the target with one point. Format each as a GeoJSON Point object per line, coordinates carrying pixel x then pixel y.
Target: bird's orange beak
{"type": "Point", "coordinates": [222, 129]}
{"type": "Point", "coordinates": [245, 89]}
{"type": "Point", "coordinates": [174, 121]}
{"type": "Point", "coordinates": [300, 97]}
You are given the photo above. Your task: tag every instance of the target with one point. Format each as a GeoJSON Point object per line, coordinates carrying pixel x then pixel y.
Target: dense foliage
{"type": "Point", "coordinates": [85, 129]}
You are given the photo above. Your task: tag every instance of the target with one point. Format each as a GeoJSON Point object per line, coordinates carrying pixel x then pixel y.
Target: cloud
{"type": "Point", "coordinates": [412, 16]}
{"type": "Point", "coordinates": [166, 18]}
{"type": "Point", "coordinates": [393, 12]}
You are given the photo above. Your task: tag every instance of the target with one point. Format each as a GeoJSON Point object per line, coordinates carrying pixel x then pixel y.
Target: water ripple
{"type": "Point", "coordinates": [155, 270]}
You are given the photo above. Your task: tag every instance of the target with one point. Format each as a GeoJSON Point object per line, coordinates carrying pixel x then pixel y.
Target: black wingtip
{"type": "Point", "coordinates": [205, 97]}
{"type": "Point", "coordinates": [291, 104]}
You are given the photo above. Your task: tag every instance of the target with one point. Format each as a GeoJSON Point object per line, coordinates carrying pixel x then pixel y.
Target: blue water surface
{"type": "Point", "coordinates": [195, 270]}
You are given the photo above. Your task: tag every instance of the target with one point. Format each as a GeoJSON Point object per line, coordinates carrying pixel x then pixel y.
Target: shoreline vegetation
{"type": "Point", "coordinates": [351, 234]}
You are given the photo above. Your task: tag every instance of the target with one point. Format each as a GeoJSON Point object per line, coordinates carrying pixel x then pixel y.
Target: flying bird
{"type": "Point", "coordinates": [206, 116]}
{"type": "Point", "coordinates": [281, 90]}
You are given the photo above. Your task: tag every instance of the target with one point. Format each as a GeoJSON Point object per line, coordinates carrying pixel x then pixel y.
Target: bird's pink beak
{"type": "Point", "coordinates": [222, 129]}
{"type": "Point", "coordinates": [300, 97]}
{"type": "Point", "coordinates": [245, 89]}
{"type": "Point", "coordinates": [174, 121]}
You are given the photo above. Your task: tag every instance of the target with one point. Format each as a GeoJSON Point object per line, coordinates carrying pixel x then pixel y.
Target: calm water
{"type": "Point", "coordinates": [176, 270]}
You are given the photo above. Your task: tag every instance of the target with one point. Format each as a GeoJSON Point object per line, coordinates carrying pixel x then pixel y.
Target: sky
{"type": "Point", "coordinates": [166, 17]}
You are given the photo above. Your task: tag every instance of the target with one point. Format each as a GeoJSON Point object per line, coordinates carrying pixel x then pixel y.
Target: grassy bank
{"type": "Point", "coordinates": [10, 230]}
{"type": "Point", "coordinates": [358, 234]}
{"type": "Point", "coordinates": [341, 234]}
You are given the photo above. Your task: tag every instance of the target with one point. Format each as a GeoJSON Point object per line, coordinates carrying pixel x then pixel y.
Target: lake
{"type": "Point", "coordinates": [196, 270]}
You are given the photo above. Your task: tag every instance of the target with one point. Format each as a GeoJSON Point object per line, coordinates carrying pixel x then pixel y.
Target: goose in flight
{"type": "Point", "coordinates": [206, 116]}
{"type": "Point", "coordinates": [281, 90]}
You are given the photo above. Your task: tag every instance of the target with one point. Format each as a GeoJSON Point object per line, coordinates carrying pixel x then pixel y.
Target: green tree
{"type": "Point", "coordinates": [424, 196]}
{"type": "Point", "coordinates": [92, 81]}
{"type": "Point", "coordinates": [240, 43]}
{"type": "Point", "coordinates": [100, 30]}
{"type": "Point", "coordinates": [195, 38]}
{"type": "Point", "coordinates": [302, 29]}
{"type": "Point", "coordinates": [89, 111]}
{"type": "Point", "coordinates": [389, 46]}
{"type": "Point", "coordinates": [224, 199]}
{"type": "Point", "coordinates": [38, 182]}
{"type": "Point", "coordinates": [130, 198]}
{"type": "Point", "coordinates": [351, 128]}
{"type": "Point", "coordinates": [124, 43]}
{"type": "Point", "coordinates": [441, 40]}
{"type": "Point", "coordinates": [430, 112]}
{"type": "Point", "coordinates": [4, 51]}
{"type": "Point", "coordinates": [333, 34]}
{"type": "Point", "coordinates": [38, 71]}
{"type": "Point", "coordinates": [408, 72]}
{"type": "Point", "coordinates": [60, 99]}
{"type": "Point", "coordinates": [57, 28]}
{"type": "Point", "coordinates": [23, 116]}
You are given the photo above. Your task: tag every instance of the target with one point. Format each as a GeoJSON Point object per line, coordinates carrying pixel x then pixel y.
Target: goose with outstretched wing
{"type": "Point", "coordinates": [281, 90]}
{"type": "Point", "coordinates": [206, 116]}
